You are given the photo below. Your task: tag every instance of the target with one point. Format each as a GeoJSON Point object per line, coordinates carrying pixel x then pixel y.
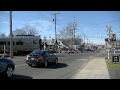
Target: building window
{"type": "Point", "coordinates": [2, 43]}
{"type": "Point", "coordinates": [34, 42]}
{"type": "Point", "coordinates": [9, 43]}
{"type": "Point", "coordinates": [19, 43]}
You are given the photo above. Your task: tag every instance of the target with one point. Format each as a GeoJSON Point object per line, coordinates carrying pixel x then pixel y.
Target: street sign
{"type": "Point", "coordinates": [115, 59]}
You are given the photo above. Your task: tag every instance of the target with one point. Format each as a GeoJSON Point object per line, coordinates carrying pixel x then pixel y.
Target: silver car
{"type": "Point", "coordinates": [7, 67]}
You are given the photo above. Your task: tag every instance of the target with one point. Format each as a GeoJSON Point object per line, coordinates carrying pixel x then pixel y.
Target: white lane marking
{"type": "Point", "coordinates": [20, 65]}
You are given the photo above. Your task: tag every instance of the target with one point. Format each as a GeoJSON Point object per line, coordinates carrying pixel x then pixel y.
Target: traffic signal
{"type": "Point", "coordinates": [106, 39]}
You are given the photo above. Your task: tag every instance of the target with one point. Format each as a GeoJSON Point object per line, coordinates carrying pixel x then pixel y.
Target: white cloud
{"type": "Point", "coordinates": [14, 21]}
{"type": "Point", "coordinates": [6, 11]}
{"type": "Point", "coordinates": [5, 22]}
{"type": "Point", "coordinates": [86, 29]}
{"type": "Point", "coordinates": [32, 24]}
{"type": "Point", "coordinates": [42, 26]}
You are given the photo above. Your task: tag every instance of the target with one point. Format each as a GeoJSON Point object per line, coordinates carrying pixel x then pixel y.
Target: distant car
{"type": "Point", "coordinates": [92, 50]}
{"type": "Point", "coordinates": [70, 51]}
{"type": "Point", "coordinates": [41, 57]}
{"type": "Point", "coordinates": [7, 67]}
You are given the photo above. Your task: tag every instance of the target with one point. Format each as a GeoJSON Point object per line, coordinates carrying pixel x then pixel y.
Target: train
{"type": "Point", "coordinates": [22, 44]}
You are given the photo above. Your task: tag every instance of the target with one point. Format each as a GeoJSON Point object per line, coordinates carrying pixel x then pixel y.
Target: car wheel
{"type": "Point", "coordinates": [29, 64]}
{"type": "Point", "coordinates": [56, 61]}
{"type": "Point", "coordinates": [9, 71]}
{"type": "Point", "coordinates": [46, 63]}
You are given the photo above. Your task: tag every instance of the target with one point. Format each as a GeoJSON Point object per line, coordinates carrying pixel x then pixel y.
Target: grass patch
{"type": "Point", "coordinates": [110, 64]}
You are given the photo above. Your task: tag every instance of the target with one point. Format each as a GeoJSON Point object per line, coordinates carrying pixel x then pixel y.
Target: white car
{"type": "Point", "coordinates": [70, 51]}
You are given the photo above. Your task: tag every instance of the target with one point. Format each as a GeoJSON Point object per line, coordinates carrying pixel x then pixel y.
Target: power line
{"type": "Point", "coordinates": [107, 22]}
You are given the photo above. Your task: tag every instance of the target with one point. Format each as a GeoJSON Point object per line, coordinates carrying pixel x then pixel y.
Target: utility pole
{"type": "Point", "coordinates": [109, 33]}
{"type": "Point", "coordinates": [55, 30]}
{"type": "Point", "coordinates": [11, 42]}
{"type": "Point", "coordinates": [74, 32]}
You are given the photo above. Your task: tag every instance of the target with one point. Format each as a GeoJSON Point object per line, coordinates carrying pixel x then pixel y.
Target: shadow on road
{"type": "Point", "coordinates": [53, 66]}
{"type": "Point", "coordinates": [15, 76]}
{"type": "Point", "coordinates": [56, 66]}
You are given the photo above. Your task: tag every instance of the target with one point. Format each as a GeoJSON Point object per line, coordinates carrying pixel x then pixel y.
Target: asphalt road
{"type": "Point", "coordinates": [67, 66]}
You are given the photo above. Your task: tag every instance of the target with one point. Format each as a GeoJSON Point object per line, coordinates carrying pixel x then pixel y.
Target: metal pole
{"type": "Point", "coordinates": [55, 31]}
{"type": "Point", "coordinates": [109, 33]}
{"type": "Point", "coordinates": [74, 33]}
{"type": "Point", "coordinates": [11, 42]}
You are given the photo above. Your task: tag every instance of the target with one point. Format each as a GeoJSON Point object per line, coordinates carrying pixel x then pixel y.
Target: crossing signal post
{"type": "Point", "coordinates": [109, 41]}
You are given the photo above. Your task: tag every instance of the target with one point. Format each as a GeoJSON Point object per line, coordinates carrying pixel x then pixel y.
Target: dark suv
{"type": "Point", "coordinates": [41, 57]}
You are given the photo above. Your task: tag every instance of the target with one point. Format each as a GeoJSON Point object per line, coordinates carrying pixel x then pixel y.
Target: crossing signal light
{"type": "Point", "coordinates": [106, 39]}
{"type": "Point", "coordinates": [113, 37]}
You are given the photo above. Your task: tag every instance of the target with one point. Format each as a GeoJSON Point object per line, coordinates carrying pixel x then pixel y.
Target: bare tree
{"type": "Point", "coordinates": [2, 35]}
{"type": "Point", "coordinates": [78, 39]}
{"type": "Point", "coordinates": [25, 30]}
{"type": "Point", "coordinates": [30, 30]}
{"type": "Point", "coordinates": [19, 32]}
{"type": "Point", "coordinates": [67, 34]}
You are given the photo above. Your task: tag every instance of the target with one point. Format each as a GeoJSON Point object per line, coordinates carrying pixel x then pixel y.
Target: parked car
{"type": "Point", "coordinates": [7, 67]}
{"type": "Point", "coordinates": [41, 57]}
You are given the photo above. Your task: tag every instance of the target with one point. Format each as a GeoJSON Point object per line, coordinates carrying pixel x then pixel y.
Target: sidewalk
{"type": "Point", "coordinates": [94, 69]}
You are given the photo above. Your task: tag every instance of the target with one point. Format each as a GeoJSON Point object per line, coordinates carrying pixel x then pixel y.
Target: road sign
{"type": "Point", "coordinates": [115, 59]}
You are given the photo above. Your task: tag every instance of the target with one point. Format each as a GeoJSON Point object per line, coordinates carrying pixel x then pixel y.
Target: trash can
{"type": "Point", "coordinates": [115, 59]}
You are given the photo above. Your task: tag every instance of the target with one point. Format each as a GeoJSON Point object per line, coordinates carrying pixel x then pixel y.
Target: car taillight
{"type": "Point", "coordinates": [27, 57]}
{"type": "Point", "coordinates": [40, 57]}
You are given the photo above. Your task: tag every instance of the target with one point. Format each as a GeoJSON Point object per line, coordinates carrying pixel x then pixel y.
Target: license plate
{"type": "Point", "coordinates": [32, 59]}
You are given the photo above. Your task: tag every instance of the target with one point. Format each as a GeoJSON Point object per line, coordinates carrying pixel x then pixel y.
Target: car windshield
{"type": "Point", "coordinates": [36, 52]}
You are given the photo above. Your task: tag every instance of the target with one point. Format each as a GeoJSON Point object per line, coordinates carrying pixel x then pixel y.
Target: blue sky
{"type": "Point", "coordinates": [91, 23]}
